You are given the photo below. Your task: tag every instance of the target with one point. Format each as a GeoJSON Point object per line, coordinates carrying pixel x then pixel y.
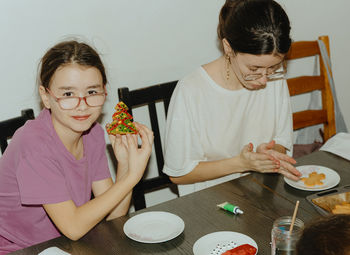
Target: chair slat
{"type": "Point", "coordinates": [155, 182]}
{"type": "Point", "coordinates": [157, 141]}
{"type": "Point", "coordinates": [166, 106]}
{"type": "Point", "coordinates": [3, 145]}
{"type": "Point", "coordinates": [309, 118]}
{"type": "Point", "coordinates": [154, 93]}
{"type": "Point", "coordinates": [303, 49]}
{"type": "Point", "coordinates": [9, 127]}
{"type": "Point", "coordinates": [304, 84]}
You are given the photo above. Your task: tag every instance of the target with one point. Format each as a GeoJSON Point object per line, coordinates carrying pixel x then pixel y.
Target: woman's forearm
{"type": "Point", "coordinates": [204, 170]}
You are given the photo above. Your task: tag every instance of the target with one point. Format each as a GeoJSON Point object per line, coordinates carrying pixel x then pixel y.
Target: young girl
{"type": "Point", "coordinates": [223, 110]}
{"type": "Point", "coordinates": [53, 163]}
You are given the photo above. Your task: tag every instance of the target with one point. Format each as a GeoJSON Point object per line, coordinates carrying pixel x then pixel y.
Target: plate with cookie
{"type": "Point", "coordinates": [315, 178]}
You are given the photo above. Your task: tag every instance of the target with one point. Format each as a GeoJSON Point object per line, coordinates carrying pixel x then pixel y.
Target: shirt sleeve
{"type": "Point", "coordinates": [41, 181]}
{"type": "Point", "coordinates": [101, 165]}
{"type": "Point", "coordinates": [182, 147]}
{"type": "Point", "coordinates": [284, 122]}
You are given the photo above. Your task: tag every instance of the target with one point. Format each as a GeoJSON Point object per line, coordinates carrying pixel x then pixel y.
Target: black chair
{"type": "Point", "coordinates": [139, 98]}
{"type": "Point", "coordinates": [9, 127]}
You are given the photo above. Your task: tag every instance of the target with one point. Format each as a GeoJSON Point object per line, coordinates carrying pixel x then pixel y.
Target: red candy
{"type": "Point", "coordinates": [244, 249]}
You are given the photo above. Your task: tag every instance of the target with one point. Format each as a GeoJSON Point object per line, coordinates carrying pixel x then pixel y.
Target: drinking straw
{"type": "Point", "coordinates": [294, 216]}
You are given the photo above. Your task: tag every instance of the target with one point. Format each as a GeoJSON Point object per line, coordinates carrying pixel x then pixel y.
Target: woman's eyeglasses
{"type": "Point", "coordinates": [69, 103]}
{"type": "Point", "coordinates": [272, 73]}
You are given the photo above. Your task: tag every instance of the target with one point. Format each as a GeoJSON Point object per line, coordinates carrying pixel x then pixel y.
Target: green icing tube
{"type": "Point", "coordinates": [230, 207]}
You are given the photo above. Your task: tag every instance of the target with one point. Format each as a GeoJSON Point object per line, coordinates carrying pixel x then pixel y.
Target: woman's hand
{"type": "Point", "coordinates": [286, 163]}
{"type": "Point", "coordinates": [259, 162]}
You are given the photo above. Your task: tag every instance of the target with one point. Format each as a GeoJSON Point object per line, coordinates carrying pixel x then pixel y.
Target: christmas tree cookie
{"type": "Point", "coordinates": [121, 121]}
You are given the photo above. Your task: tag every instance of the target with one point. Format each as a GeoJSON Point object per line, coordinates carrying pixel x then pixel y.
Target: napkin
{"type": "Point", "coordinates": [339, 145]}
{"type": "Point", "coordinates": [53, 251]}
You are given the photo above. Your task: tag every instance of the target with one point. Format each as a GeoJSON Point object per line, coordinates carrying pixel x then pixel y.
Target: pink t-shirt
{"type": "Point", "coordinates": [37, 169]}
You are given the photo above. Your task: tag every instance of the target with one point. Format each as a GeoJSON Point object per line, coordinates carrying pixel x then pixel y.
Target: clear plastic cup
{"type": "Point", "coordinates": [282, 241]}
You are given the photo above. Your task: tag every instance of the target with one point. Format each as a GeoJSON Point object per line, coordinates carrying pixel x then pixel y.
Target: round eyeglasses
{"type": "Point", "coordinates": [272, 73]}
{"type": "Point", "coordinates": [69, 103]}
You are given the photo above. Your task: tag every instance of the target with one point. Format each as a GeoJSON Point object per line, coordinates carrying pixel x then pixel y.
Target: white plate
{"type": "Point", "coordinates": [331, 180]}
{"type": "Point", "coordinates": [219, 242]}
{"type": "Point", "coordinates": [154, 227]}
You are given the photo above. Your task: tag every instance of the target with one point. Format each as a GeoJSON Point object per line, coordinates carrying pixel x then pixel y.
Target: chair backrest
{"type": "Point", "coordinates": [305, 84]}
{"type": "Point", "coordinates": [9, 127]}
{"type": "Point", "coordinates": [149, 96]}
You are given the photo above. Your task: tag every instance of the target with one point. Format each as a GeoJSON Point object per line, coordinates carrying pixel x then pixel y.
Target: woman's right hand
{"type": "Point", "coordinates": [138, 156]}
{"type": "Point", "coordinates": [259, 162]}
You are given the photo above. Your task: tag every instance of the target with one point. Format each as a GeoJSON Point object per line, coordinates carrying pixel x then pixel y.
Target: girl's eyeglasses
{"type": "Point", "coordinates": [69, 103]}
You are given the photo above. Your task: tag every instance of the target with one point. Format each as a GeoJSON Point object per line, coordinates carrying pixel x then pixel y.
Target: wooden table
{"type": "Point", "coordinates": [262, 197]}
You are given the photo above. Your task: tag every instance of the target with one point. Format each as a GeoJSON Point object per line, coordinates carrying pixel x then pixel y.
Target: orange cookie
{"type": "Point", "coordinates": [313, 179]}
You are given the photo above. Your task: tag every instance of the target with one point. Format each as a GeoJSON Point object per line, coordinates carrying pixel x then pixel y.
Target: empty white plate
{"type": "Point", "coordinates": [154, 227]}
{"type": "Point", "coordinates": [332, 178]}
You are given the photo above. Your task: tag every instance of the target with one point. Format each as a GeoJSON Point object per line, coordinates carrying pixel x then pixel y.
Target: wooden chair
{"type": "Point", "coordinates": [305, 84]}
{"type": "Point", "coordinates": [9, 127]}
{"type": "Point", "coordinates": [139, 98]}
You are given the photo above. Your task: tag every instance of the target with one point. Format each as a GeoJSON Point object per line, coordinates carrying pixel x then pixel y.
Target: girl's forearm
{"type": "Point", "coordinates": [74, 222]}
{"type": "Point", "coordinates": [92, 212]}
{"type": "Point", "coordinates": [121, 208]}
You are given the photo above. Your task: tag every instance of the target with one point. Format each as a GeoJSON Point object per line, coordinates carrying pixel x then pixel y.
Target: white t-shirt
{"type": "Point", "coordinates": [207, 122]}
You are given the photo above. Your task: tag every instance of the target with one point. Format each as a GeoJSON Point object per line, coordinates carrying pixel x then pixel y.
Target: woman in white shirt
{"type": "Point", "coordinates": [233, 115]}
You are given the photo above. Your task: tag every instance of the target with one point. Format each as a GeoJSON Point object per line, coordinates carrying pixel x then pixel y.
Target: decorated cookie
{"type": "Point", "coordinates": [313, 179]}
{"type": "Point", "coordinates": [122, 121]}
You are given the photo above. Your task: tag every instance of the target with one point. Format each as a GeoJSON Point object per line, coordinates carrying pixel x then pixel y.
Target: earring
{"type": "Point", "coordinates": [228, 62]}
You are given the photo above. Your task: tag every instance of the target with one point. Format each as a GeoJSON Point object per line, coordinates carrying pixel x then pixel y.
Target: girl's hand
{"type": "Point", "coordinates": [138, 156]}
{"type": "Point", "coordinates": [259, 162]}
{"type": "Point", "coordinates": [120, 147]}
{"type": "Point", "coordinates": [286, 168]}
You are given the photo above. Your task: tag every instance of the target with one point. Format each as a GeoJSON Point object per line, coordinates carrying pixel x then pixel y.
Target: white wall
{"type": "Point", "coordinates": [143, 42]}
